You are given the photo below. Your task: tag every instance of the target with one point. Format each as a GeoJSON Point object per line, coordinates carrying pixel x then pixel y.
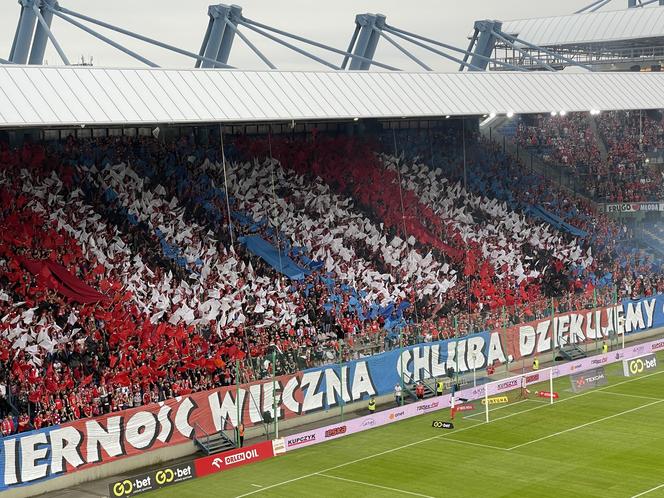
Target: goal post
{"type": "Point", "coordinates": [503, 394]}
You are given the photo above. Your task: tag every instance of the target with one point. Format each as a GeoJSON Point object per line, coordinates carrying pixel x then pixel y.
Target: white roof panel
{"type": "Point", "coordinates": [70, 96]}
{"type": "Point", "coordinates": [589, 27]}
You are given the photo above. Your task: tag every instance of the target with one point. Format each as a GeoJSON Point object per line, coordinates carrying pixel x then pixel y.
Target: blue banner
{"type": "Point", "coordinates": [379, 374]}
{"type": "Point", "coordinates": [279, 261]}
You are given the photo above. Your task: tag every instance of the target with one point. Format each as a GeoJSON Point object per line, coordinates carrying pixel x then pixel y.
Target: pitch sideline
{"type": "Point", "coordinates": [369, 457]}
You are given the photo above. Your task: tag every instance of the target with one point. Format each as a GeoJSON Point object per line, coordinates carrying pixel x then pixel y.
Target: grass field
{"type": "Point", "coordinates": [607, 442]}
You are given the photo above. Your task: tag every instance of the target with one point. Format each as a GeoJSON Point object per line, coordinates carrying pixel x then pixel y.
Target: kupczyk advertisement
{"type": "Point", "coordinates": [234, 458]}
{"type": "Point", "coordinates": [53, 451]}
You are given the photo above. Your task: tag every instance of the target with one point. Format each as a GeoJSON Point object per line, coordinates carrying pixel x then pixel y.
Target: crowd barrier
{"type": "Point", "coordinates": [51, 452]}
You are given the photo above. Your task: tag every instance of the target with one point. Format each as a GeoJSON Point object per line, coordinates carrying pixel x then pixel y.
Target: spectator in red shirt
{"type": "Point", "coordinates": [419, 390]}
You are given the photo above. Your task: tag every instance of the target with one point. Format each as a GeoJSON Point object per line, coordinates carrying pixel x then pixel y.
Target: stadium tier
{"type": "Point", "coordinates": [118, 258]}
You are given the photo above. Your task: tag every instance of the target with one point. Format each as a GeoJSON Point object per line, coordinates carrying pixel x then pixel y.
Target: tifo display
{"type": "Point", "coordinates": [156, 291]}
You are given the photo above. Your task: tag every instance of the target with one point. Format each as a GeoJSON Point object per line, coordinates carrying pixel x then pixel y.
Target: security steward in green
{"type": "Point", "coordinates": [372, 405]}
{"type": "Point", "coordinates": [536, 363]}
{"type": "Point", "coordinates": [439, 387]}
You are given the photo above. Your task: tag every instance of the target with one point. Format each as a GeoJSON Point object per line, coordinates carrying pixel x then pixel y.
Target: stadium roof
{"type": "Point", "coordinates": [606, 28]}
{"type": "Point", "coordinates": [45, 96]}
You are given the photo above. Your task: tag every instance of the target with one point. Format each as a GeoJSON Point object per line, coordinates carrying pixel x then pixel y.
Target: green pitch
{"type": "Point", "coordinates": [607, 442]}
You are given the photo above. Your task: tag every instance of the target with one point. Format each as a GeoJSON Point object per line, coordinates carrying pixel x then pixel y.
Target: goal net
{"type": "Point", "coordinates": [506, 397]}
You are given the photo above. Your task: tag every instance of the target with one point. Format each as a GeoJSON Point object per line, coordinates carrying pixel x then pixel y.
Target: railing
{"type": "Point", "coordinates": [198, 440]}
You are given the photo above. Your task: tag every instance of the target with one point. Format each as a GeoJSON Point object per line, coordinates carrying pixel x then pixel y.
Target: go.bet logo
{"type": "Point", "coordinates": [129, 487]}
{"type": "Point", "coordinates": [123, 488]}
{"type": "Point", "coordinates": [164, 476]}
{"type": "Point", "coordinates": [639, 365]}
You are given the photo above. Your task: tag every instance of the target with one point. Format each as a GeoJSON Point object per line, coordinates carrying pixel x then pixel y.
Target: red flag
{"type": "Point", "coordinates": [122, 378]}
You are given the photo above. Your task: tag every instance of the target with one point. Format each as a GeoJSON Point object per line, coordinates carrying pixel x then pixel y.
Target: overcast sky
{"type": "Point", "coordinates": [183, 23]}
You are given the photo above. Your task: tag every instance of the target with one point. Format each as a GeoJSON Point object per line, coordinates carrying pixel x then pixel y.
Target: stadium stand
{"type": "Point", "coordinates": [610, 153]}
{"type": "Point", "coordinates": [117, 257]}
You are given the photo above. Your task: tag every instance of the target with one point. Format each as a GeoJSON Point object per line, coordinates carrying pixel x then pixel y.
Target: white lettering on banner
{"type": "Point", "coordinates": [362, 383]}
{"type": "Point", "coordinates": [454, 348]}
{"type": "Point", "coordinates": [30, 453]}
{"type": "Point", "coordinates": [592, 321]}
{"type": "Point", "coordinates": [268, 400]}
{"type": "Point", "coordinates": [108, 439]}
{"type": "Point", "coordinates": [421, 362]}
{"type": "Point", "coordinates": [575, 328]}
{"type": "Point", "coordinates": [288, 395]}
{"type": "Point", "coordinates": [11, 469]}
{"type": "Point", "coordinates": [634, 319]}
{"type": "Point", "coordinates": [563, 330]}
{"type": "Point", "coordinates": [182, 416]}
{"type": "Point", "coordinates": [138, 438]}
{"type": "Point", "coordinates": [475, 355]}
{"type": "Point", "coordinates": [310, 385]}
{"type": "Point", "coordinates": [333, 386]}
{"type": "Point", "coordinates": [225, 410]}
{"type": "Point", "coordinates": [526, 340]}
{"type": "Point", "coordinates": [649, 305]}
{"type": "Point", "coordinates": [402, 363]}
{"type": "Point", "coordinates": [65, 443]}
{"type": "Point", "coordinates": [437, 367]}
{"type": "Point", "coordinates": [495, 350]}
{"type": "Point", "coordinates": [255, 414]}
{"type": "Point", "coordinates": [165, 423]}
{"type": "Point", "coordinates": [543, 341]}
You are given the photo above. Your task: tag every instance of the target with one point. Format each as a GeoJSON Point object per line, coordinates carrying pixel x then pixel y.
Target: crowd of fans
{"type": "Point", "coordinates": [125, 256]}
{"type": "Point", "coordinates": [623, 172]}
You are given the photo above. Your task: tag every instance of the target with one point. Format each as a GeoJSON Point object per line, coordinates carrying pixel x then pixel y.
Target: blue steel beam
{"type": "Point", "coordinates": [218, 14]}
{"type": "Point", "coordinates": [131, 53]}
{"type": "Point", "coordinates": [234, 14]}
{"type": "Point", "coordinates": [62, 10]}
{"type": "Point", "coordinates": [522, 52]}
{"type": "Point", "coordinates": [206, 37]}
{"type": "Point", "coordinates": [42, 35]}
{"type": "Point", "coordinates": [253, 47]}
{"type": "Point", "coordinates": [405, 52]}
{"type": "Point", "coordinates": [546, 51]}
{"type": "Point", "coordinates": [486, 41]}
{"type": "Point", "coordinates": [24, 31]}
{"type": "Point", "coordinates": [47, 30]}
{"type": "Point", "coordinates": [289, 45]}
{"type": "Point", "coordinates": [249, 22]}
{"type": "Point", "coordinates": [589, 6]}
{"type": "Point", "coordinates": [467, 53]}
{"type": "Point", "coordinates": [367, 40]}
{"type": "Point", "coordinates": [430, 49]}
{"type": "Point", "coordinates": [353, 39]}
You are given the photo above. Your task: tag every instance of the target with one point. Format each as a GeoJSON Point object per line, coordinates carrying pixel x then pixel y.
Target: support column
{"type": "Point", "coordinates": [367, 40]}
{"type": "Point", "coordinates": [218, 39]}
{"type": "Point", "coordinates": [24, 30]}
{"type": "Point", "coordinates": [233, 15]}
{"type": "Point", "coordinates": [485, 43]}
{"type": "Point", "coordinates": [41, 37]}
{"type": "Point", "coordinates": [218, 14]}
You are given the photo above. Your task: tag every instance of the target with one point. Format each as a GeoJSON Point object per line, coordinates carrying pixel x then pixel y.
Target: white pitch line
{"type": "Point", "coordinates": [257, 485]}
{"type": "Point", "coordinates": [585, 425]}
{"type": "Point", "coordinates": [630, 395]}
{"type": "Point", "coordinates": [649, 491]}
{"type": "Point", "coordinates": [374, 485]}
{"type": "Point", "coordinates": [368, 457]}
